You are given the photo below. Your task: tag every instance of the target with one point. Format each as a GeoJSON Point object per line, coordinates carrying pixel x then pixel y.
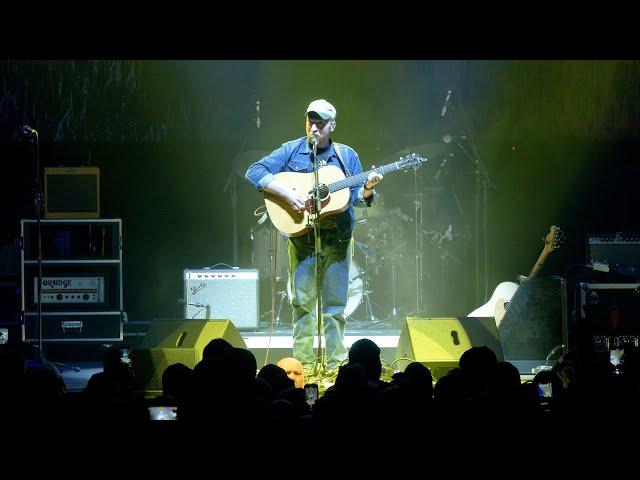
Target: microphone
{"type": "Point", "coordinates": [446, 102]}
{"type": "Point", "coordinates": [182, 301]}
{"type": "Point", "coordinates": [312, 138]}
{"type": "Point", "coordinates": [27, 130]}
{"type": "Point", "coordinates": [444, 161]}
{"type": "Point", "coordinates": [258, 113]}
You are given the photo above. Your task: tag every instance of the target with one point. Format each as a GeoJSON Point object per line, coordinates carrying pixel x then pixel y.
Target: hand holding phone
{"type": "Point", "coordinates": [311, 393]}
{"type": "Point", "coordinates": [545, 390]}
{"type": "Point", "coordinates": [163, 413]}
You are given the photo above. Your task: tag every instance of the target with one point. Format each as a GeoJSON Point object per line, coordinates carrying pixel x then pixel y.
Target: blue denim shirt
{"type": "Point", "coordinates": [295, 156]}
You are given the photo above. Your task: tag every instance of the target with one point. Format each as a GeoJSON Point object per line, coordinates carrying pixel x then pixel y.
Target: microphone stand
{"type": "Point", "coordinates": [314, 218]}
{"type": "Point", "coordinates": [38, 194]}
{"type": "Point", "coordinates": [38, 206]}
{"type": "Point", "coordinates": [231, 188]}
{"type": "Point", "coordinates": [483, 182]}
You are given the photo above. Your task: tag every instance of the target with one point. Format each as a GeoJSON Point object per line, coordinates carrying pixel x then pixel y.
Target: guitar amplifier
{"type": "Point", "coordinates": [229, 294]}
{"type": "Point", "coordinates": [72, 192]}
{"type": "Point", "coordinates": [609, 315]}
{"type": "Point", "coordinates": [614, 248]}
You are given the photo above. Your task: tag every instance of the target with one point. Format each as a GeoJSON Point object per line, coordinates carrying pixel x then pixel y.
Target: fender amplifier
{"type": "Point", "coordinates": [231, 294]}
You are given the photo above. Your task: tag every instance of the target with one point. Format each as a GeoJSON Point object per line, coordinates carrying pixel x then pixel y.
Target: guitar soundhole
{"type": "Point", "coordinates": [454, 337]}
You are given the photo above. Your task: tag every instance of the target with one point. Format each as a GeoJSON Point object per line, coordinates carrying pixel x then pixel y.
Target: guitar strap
{"type": "Point", "coordinates": [336, 148]}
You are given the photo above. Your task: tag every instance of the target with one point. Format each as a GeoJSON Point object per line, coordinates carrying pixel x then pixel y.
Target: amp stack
{"type": "Point", "coordinates": [81, 284]}
{"type": "Point", "coordinates": [609, 306]}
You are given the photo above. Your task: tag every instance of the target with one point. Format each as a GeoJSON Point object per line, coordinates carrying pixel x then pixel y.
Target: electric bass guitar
{"type": "Point", "coordinates": [497, 305]}
{"type": "Point", "coordinates": [334, 193]}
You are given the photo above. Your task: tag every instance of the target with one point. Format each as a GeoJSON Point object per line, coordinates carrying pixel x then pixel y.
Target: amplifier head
{"type": "Point", "coordinates": [613, 248]}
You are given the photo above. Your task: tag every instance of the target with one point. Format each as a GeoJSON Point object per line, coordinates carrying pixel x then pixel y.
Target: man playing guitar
{"type": "Point", "coordinates": [289, 208]}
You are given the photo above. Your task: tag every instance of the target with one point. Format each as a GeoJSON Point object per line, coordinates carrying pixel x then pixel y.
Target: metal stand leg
{"type": "Point", "coordinates": [368, 308]}
{"type": "Point", "coordinates": [366, 292]}
{"type": "Point", "coordinates": [394, 296]}
{"type": "Point", "coordinates": [283, 295]}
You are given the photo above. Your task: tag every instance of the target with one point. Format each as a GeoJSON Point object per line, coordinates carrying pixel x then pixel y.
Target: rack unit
{"type": "Point", "coordinates": [81, 280]}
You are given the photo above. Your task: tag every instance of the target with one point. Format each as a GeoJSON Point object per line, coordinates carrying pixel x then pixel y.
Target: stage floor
{"type": "Point", "coordinates": [268, 347]}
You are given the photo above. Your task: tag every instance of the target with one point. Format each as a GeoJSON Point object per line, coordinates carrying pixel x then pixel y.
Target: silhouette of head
{"type": "Point", "coordinates": [276, 377]}
{"type": "Point", "coordinates": [215, 348]}
{"type": "Point", "coordinates": [418, 377]}
{"type": "Point", "coordinates": [242, 365]}
{"type": "Point", "coordinates": [478, 364]}
{"type": "Point", "coordinates": [367, 354]}
{"type": "Point", "coordinates": [176, 381]}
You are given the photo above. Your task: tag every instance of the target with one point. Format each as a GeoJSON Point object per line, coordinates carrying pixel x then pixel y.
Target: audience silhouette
{"type": "Point", "coordinates": [226, 392]}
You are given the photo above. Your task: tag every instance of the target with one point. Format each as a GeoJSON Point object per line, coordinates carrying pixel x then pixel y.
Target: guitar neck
{"type": "Point", "coordinates": [362, 177]}
{"type": "Point", "coordinates": [539, 263]}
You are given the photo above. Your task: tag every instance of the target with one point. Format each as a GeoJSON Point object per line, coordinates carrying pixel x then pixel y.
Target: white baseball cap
{"type": "Point", "coordinates": [324, 109]}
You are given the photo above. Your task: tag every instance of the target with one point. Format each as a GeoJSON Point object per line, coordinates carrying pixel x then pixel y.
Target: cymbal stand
{"type": "Point", "coordinates": [394, 292]}
{"type": "Point", "coordinates": [418, 227]}
{"type": "Point", "coordinates": [366, 292]}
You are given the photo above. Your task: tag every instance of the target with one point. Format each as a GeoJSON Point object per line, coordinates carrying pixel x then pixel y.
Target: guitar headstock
{"type": "Point", "coordinates": [410, 161]}
{"type": "Point", "coordinates": [554, 239]}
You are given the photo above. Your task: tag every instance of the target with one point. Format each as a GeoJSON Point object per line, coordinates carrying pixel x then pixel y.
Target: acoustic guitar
{"type": "Point", "coordinates": [334, 194]}
{"type": "Point", "coordinates": [497, 305]}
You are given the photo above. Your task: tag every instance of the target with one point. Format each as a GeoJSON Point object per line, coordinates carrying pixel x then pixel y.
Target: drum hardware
{"type": "Point", "coordinates": [373, 213]}
{"type": "Point", "coordinates": [368, 307]}
{"type": "Point", "coordinates": [269, 256]}
{"type": "Point", "coordinates": [283, 295]}
{"type": "Point", "coordinates": [267, 242]}
{"type": "Point", "coordinates": [382, 244]}
{"type": "Point", "coordinates": [444, 241]}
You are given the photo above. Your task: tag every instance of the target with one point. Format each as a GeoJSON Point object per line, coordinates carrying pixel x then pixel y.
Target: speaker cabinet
{"type": "Point", "coordinates": [177, 341]}
{"type": "Point", "coordinates": [438, 343]}
{"type": "Point", "coordinates": [535, 323]}
{"type": "Point", "coordinates": [231, 294]}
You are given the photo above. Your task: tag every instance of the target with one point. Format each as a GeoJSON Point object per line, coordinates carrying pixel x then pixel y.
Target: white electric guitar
{"type": "Point", "coordinates": [497, 305]}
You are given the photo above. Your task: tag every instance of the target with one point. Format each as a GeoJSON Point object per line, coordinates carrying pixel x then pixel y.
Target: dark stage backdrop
{"type": "Point", "coordinates": [559, 140]}
{"type": "Point", "coordinates": [177, 213]}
